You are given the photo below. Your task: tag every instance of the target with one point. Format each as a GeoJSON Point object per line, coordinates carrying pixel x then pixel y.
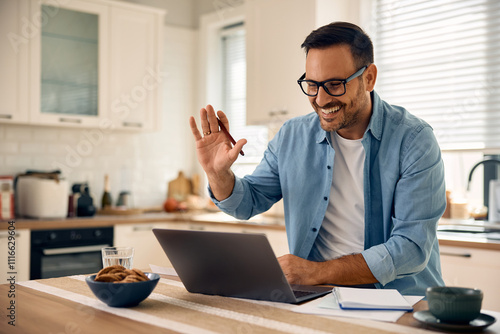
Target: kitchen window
{"type": "Point", "coordinates": [233, 83]}
{"type": "Point", "coordinates": [441, 60]}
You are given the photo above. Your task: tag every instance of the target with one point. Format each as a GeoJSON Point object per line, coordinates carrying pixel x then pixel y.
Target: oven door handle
{"type": "Point", "coordinates": [70, 250]}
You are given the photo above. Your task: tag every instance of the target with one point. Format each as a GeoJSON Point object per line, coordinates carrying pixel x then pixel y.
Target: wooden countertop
{"type": "Point", "coordinates": [465, 239]}
{"type": "Point", "coordinates": [159, 217]}
{"type": "Point", "coordinates": [66, 304]}
{"type": "Point", "coordinates": [218, 218]}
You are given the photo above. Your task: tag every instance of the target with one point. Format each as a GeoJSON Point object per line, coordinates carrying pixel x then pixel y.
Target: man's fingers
{"type": "Point", "coordinates": [205, 127]}
{"type": "Point", "coordinates": [194, 128]}
{"type": "Point", "coordinates": [212, 120]}
{"type": "Point", "coordinates": [238, 147]}
{"type": "Point", "coordinates": [223, 119]}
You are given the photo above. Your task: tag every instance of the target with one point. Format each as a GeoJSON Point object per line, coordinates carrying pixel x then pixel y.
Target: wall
{"type": "Point", "coordinates": [140, 162]}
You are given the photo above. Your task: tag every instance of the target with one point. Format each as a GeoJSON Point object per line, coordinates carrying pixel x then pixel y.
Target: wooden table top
{"type": "Point", "coordinates": [37, 311]}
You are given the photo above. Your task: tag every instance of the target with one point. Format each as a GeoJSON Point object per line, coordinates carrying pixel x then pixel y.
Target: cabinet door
{"type": "Point", "coordinates": [275, 60]}
{"type": "Point", "coordinates": [147, 249]}
{"type": "Point", "coordinates": [277, 238]}
{"type": "Point", "coordinates": [69, 63]}
{"type": "Point", "coordinates": [473, 268]}
{"type": "Point", "coordinates": [14, 49]}
{"type": "Point", "coordinates": [135, 68]}
{"type": "Point", "coordinates": [21, 263]}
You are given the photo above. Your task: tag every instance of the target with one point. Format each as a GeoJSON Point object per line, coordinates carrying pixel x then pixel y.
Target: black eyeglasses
{"type": "Point", "coordinates": [333, 87]}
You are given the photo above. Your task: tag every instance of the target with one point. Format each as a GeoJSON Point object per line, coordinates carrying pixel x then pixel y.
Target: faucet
{"type": "Point", "coordinates": [480, 163]}
{"type": "Point", "coordinates": [490, 191]}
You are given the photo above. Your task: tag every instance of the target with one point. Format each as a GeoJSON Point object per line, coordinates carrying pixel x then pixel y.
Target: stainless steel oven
{"type": "Point", "coordinates": [62, 252]}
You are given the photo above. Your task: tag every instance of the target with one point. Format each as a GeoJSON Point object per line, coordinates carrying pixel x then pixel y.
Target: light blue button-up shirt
{"type": "Point", "coordinates": [404, 193]}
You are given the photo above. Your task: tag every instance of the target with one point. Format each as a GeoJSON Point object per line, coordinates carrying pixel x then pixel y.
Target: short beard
{"type": "Point", "coordinates": [345, 120]}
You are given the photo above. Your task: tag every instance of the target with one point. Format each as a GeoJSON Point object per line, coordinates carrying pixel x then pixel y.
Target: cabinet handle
{"type": "Point", "coordinates": [70, 120]}
{"type": "Point", "coordinates": [143, 228]}
{"type": "Point", "coordinates": [456, 254]}
{"type": "Point", "coordinates": [69, 250]}
{"type": "Point", "coordinates": [278, 112]}
{"type": "Point", "coordinates": [197, 227]}
{"type": "Point", "coordinates": [5, 116]}
{"type": "Point", "coordinates": [132, 124]}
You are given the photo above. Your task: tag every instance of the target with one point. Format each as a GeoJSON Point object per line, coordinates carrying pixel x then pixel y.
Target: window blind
{"type": "Point", "coordinates": [440, 59]}
{"type": "Point", "coordinates": [234, 99]}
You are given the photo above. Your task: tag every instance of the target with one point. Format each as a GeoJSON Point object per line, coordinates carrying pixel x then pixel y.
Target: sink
{"type": "Point", "coordinates": [467, 231]}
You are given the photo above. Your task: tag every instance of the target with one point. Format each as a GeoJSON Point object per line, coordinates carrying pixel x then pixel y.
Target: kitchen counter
{"type": "Point", "coordinates": [112, 220]}
{"type": "Point", "coordinates": [450, 232]}
{"type": "Point", "coordinates": [39, 306]}
{"type": "Point", "coordinates": [469, 233]}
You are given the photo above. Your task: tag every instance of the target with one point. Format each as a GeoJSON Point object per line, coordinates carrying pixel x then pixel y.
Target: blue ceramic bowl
{"type": "Point", "coordinates": [454, 304]}
{"type": "Point", "coordinates": [123, 294]}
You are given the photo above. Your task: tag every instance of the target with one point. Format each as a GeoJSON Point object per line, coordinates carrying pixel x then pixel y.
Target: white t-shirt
{"type": "Point", "coordinates": [343, 228]}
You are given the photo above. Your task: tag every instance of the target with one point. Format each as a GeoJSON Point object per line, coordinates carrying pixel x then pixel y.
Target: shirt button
{"type": "Point", "coordinates": [329, 167]}
{"type": "Point", "coordinates": [325, 198]}
{"type": "Point", "coordinates": [314, 229]}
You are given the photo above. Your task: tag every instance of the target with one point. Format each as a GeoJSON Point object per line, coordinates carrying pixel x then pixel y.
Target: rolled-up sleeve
{"type": "Point", "coordinates": [419, 202]}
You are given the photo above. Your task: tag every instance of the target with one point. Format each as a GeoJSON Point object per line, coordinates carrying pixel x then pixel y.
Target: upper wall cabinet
{"type": "Point", "coordinates": [14, 50]}
{"type": "Point", "coordinates": [70, 64]}
{"type": "Point", "coordinates": [83, 63]}
{"type": "Point", "coordinates": [136, 74]}
{"type": "Point", "coordinates": [275, 60]}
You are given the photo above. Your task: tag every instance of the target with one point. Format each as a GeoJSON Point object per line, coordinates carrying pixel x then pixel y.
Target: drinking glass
{"type": "Point", "coordinates": [123, 256]}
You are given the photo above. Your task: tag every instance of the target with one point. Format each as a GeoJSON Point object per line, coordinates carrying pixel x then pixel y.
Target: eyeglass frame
{"type": "Point", "coordinates": [322, 83]}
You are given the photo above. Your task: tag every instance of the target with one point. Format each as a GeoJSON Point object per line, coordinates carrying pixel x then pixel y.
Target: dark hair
{"type": "Point", "coordinates": [337, 33]}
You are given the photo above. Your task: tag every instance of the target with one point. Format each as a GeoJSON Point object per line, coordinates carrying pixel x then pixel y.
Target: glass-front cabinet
{"type": "Point", "coordinates": [81, 63]}
{"type": "Point", "coordinates": [70, 54]}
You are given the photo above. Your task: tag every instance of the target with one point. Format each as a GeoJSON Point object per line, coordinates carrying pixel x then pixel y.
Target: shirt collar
{"type": "Point", "coordinates": [322, 135]}
{"type": "Point", "coordinates": [375, 125]}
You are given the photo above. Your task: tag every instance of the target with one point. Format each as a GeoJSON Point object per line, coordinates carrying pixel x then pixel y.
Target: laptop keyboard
{"type": "Point", "coordinates": [299, 293]}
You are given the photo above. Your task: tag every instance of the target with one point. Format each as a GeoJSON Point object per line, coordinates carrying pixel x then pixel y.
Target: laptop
{"type": "Point", "coordinates": [241, 265]}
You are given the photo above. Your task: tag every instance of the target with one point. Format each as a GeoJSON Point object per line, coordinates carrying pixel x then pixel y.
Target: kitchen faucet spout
{"type": "Point", "coordinates": [476, 165]}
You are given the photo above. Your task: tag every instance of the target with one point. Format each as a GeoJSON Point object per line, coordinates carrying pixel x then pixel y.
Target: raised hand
{"type": "Point", "coordinates": [215, 151]}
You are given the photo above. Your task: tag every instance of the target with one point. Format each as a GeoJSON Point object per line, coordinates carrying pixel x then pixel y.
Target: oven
{"type": "Point", "coordinates": [63, 252]}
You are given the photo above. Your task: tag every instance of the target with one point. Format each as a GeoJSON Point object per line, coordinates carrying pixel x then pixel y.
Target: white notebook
{"type": "Point", "coordinates": [371, 299]}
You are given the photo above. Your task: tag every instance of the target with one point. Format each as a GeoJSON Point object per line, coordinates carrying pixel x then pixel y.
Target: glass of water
{"type": "Point", "coordinates": [123, 256]}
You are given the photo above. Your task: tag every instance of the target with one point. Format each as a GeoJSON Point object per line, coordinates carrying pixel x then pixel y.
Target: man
{"type": "Point", "coordinates": [362, 181]}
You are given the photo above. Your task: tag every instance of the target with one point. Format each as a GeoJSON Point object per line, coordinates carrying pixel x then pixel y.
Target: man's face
{"type": "Point", "coordinates": [348, 114]}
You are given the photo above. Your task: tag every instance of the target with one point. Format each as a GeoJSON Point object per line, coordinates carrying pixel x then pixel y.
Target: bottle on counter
{"type": "Point", "coordinates": [106, 201]}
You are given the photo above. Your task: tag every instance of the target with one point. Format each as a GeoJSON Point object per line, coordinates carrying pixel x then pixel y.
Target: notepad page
{"type": "Point", "coordinates": [371, 298]}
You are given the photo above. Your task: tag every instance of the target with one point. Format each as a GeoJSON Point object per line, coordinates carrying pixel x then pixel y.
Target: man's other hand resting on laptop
{"type": "Point", "coordinates": [347, 270]}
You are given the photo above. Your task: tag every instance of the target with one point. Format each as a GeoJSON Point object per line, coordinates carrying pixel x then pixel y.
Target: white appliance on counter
{"type": "Point", "coordinates": [494, 202]}
{"type": "Point", "coordinates": [39, 197]}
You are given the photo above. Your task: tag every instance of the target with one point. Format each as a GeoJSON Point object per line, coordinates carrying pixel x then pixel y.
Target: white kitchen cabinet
{"type": "Point", "coordinates": [69, 63]}
{"type": "Point", "coordinates": [136, 75]}
{"type": "Point", "coordinates": [14, 51]}
{"type": "Point", "coordinates": [21, 247]}
{"type": "Point", "coordinates": [80, 63]}
{"type": "Point", "coordinates": [277, 238]}
{"type": "Point", "coordinates": [275, 30]}
{"type": "Point", "coordinates": [474, 268]}
{"type": "Point", "coordinates": [147, 250]}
